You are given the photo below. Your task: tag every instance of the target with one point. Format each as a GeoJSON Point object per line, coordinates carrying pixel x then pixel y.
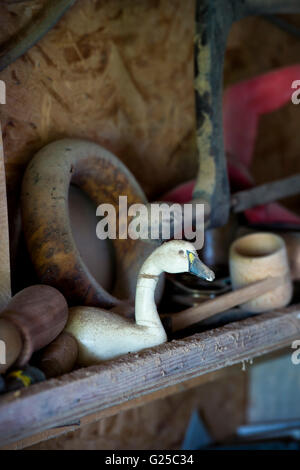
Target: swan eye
{"type": "Point", "coordinates": [180, 252]}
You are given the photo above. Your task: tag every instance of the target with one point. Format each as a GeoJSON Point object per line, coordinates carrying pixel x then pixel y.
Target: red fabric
{"type": "Point", "coordinates": [243, 104]}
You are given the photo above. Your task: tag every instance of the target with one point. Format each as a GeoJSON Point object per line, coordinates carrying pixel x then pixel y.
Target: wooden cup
{"type": "Point", "coordinates": [256, 257]}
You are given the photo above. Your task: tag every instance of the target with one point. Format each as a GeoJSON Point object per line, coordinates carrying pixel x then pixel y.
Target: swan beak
{"type": "Point", "coordinates": [198, 268]}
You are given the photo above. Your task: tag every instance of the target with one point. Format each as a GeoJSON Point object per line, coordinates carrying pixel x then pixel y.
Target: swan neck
{"type": "Point", "coordinates": [145, 308]}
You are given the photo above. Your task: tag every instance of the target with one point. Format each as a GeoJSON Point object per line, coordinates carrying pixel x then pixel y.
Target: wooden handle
{"type": "Point", "coordinates": [39, 313]}
{"type": "Point", "coordinates": [59, 357]}
{"type": "Point", "coordinates": [224, 302]}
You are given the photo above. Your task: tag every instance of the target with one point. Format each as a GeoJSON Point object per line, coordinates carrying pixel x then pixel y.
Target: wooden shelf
{"type": "Point", "coordinates": [58, 405]}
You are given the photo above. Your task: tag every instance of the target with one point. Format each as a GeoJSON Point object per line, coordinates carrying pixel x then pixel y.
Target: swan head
{"type": "Point", "coordinates": [179, 256]}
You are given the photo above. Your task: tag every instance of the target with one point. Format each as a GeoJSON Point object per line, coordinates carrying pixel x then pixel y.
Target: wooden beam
{"type": "Point", "coordinates": [113, 410]}
{"type": "Point", "coordinates": [95, 389]}
{"type": "Point", "coordinates": [5, 291]}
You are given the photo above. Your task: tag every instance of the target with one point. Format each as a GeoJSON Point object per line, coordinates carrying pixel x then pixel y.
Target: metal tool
{"type": "Point", "coordinates": [214, 19]}
{"type": "Point", "coordinates": [33, 32]}
{"type": "Point", "coordinates": [265, 193]}
{"type": "Point", "coordinates": [238, 202]}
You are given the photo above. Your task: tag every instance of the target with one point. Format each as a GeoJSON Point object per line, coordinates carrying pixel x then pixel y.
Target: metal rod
{"type": "Point", "coordinates": [21, 42]}
{"type": "Point", "coordinates": [265, 193]}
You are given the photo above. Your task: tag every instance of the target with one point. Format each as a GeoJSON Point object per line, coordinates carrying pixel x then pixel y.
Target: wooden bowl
{"type": "Point", "coordinates": [258, 256]}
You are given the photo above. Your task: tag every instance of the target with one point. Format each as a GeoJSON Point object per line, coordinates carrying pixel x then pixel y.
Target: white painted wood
{"type": "Point", "coordinates": [104, 335]}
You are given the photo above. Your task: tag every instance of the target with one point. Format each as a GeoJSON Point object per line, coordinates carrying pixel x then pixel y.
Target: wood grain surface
{"type": "Point", "coordinates": [5, 287]}
{"type": "Point", "coordinates": [64, 400]}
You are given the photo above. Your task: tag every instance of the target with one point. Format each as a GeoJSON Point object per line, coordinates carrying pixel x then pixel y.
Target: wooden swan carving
{"type": "Point", "coordinates": [103, 335]}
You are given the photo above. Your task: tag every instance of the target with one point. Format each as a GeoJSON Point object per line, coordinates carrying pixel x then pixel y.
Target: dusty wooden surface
{"type": "Point", "coordinates": [58, 402]}
{"type": "Point", "coordinates": [141, 418]}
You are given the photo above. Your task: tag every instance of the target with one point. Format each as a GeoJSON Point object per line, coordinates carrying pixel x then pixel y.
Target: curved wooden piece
{"type": "Point", "coordinates": [38, 313]}
{"type": "Point", "coordinates": [59, 357]}
{"type": "Point", "coordinates": [47, 226]}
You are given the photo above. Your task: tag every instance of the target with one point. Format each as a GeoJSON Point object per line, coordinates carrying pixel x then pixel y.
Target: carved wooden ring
{"type": "Point", "coordinates": [46, 223]}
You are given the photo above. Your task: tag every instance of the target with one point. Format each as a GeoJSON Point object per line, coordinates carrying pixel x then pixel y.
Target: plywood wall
{"type": "Point", "coordinates": [120, 72]}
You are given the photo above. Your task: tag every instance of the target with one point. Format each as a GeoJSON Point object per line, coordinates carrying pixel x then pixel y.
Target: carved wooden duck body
{"type": "Point", "coordinates": [104, 335]}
